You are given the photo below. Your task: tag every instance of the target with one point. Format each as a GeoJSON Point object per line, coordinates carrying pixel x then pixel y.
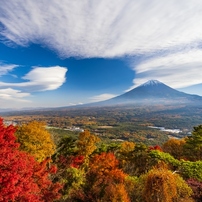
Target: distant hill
{"type": "Point", "coordinates": [152, 92]}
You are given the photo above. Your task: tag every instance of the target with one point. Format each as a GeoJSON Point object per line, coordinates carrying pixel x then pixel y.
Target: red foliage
{"type": "Point", "coordinates": [77, 161]}
{"type": "Point", "coordinates": [22, 178]}
{"type": "Point", "coordinates": [156, 147]}
{"type": "Point", "coordinates": [102, 180]}
{"type": "Point", "coordinates": [62, 160]}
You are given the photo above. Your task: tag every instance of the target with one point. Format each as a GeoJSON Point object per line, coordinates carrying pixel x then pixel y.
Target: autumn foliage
{"type": "Point", "coordinates": [77, 161]}
{"type": "Point", "coordinates": [36, 140]}
{"type": "Point", "coordinates": [87, 143]}
{"type": "Point", "coordinates": [160, 185]}
{"type": "Point", "coordinates": [104, 181]}
{"type": "Point", "coordinates": [22, 178]}
{"type": "Point", "coordinates": [163, 185]}
{"type": "Point", "coordinates": [87, 169]}
{"type": "Point", "coordinates": [156, 147]}
{"type": "Point", "coordinates": [174, 147]}
{"type": "Point", "coordinates": [196, 187]}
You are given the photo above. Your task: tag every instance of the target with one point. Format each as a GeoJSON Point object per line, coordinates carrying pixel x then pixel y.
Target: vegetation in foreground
{"type": "Point", "coordinates": [34, 167]}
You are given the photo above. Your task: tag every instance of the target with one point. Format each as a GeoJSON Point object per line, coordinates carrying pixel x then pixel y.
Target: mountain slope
{"type": "Point", "coordinates": [153, 91]}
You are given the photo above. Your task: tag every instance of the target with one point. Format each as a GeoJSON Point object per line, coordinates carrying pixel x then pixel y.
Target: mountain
{"type": "Point", "coordinates": [153, 92]}
{"type": "Point", "coordinates": [150, 93]}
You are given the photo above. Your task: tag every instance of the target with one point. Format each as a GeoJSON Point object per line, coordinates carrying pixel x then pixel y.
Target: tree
{"type": "Point", "coordinates": [66, 147]}
{"type": "Point", "coordinates": [197, 189]}
{"type": "Point", "coordinates": [156, 147]}
{"type": "Point", "coordinates": [116, 193]}
{"type": "Point", "coordinates": [127, 147]}
{"type": "Point", "coordinates": [70, 165]}
{"type": "Point", "coordinates": [22, 177]}
{"type": "Point", "coordinates": [125, 156]}
{"type": "Point", "coordinates": [36, 140]}
{"type": "Point", "coordinates": [71, 175]}
{"type": "Point", "coordinates": [107, 147]}
{"type": "Point", "coordinates": [174, 147]}
{"type": "Point", "coordinates": [87, 143]}
{"type": "Point", "coordinates": [104, 181]}
{"type": "Point", "coordinates": [193, 145]}
{"type": "Point", "coordinates": [138, 161]}
{"type": "Point", "coordinates": [187, 169]}
{"type": "Point", "coordinates": [162, 185]}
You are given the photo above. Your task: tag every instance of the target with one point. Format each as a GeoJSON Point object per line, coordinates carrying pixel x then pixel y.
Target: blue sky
{"type": "Point", "coordinates": [60, 53]}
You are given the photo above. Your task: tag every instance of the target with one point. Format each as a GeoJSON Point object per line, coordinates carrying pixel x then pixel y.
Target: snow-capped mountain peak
{"type": "Point", "coordinates": [151, 83]}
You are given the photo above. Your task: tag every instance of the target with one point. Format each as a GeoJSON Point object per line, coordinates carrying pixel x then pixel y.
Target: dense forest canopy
{"type": "Point", "coordinates": [85, 167]}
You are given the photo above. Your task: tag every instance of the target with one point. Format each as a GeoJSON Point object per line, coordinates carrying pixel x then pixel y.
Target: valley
{"type": "Point", "coordinates": [126, 123]}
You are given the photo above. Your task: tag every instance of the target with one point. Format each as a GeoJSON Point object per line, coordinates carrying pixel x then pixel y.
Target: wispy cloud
{"type": "Point", "coordinates": [41, 79]}
{"type": "Point", "coordinates": [104, 28]}
{"type": "Point", "coordinates": [111, 29]}
{"type": "Point", "coordinates": [101, 97]}
{"type": "Point", "coordinates": [6, 68]}
{"type": "Point", "coordinates": [178, 70]}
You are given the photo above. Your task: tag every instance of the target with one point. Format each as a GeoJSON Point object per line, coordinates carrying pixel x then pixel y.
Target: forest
{"type": "Point", "coordinates": [38, 164]}
{"type": "Point", "coordinates": [118, 123]}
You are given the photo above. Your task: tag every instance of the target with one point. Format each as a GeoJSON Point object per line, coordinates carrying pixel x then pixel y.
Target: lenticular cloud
{"type": "Point", "coordinates": [41, 79]}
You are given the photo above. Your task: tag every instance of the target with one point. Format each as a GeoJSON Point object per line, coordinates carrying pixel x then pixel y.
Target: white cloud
{"type": "Point", "coordinates": [177, 70]}
{"type": "Point", "coordinates": [110, 29]}
{"type": "Point", "coordinates": [49, 78]}
{"type": "Point", "coordinates": [13, 99]}
{"type": "Point", "coordinates": [6, 68]}
{"type": "Point", "coordinates": [10, 94]}
{"type": "Point", "coordinates": [102, 97]}
{"type": "Point", "coordinates": [41, 79]}
{"type": "Point", "coordinates": [74, 104]}
{"type": "Point", "coordinates": [103, 28]}
{"type": "Point", "coordinates": [71, 104]}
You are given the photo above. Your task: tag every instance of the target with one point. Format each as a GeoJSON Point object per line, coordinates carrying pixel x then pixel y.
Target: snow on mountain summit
{"type": "Point", "coordinates": [151, 83]}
